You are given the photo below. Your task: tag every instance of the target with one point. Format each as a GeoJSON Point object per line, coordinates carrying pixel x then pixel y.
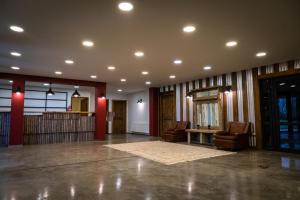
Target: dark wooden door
{"type": "Point", "coordinates": [167, 111]}
{"type": "Point", "coordinates": [119, 121]}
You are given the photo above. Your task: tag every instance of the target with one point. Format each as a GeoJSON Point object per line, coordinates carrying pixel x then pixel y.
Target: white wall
{"type": "Point", "coordinates": [138, 113]}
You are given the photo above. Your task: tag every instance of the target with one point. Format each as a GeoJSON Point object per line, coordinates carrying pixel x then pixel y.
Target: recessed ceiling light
{"type": "Point", "coordinates": [11, 81]}
{"type": "Point", "coordinates": [147, 82]}
{"type": "Point", "coordinates": [177, 62]}
{"type": "Point", "coordinates": [292, 86]}
{"type": "Point", "coordinates": [69, 62]}
{"type": "Point", "coordinates": [139, 54]}
{"type": "Point", "coordinates": [58, 72]}
{"type": "Point", "coordinates": [120, 90]}
{"type": "Point", "coordinates": [16, 28]}
{"type": "Point", "coordinates": [15, 68]}
{"type": "Point", "coordinates": [282, 84]}
{"type": "Point", "coordinates": [231, 43]}
{"type": "Point", "coordinates": [111, 67]}
{"type": "Point", "coordinates": [46, 84]}
{"type": "Point", "coordinates": [189, 29]}
{"type": "Point", "coordinates": [145, 72]}
{"type": "Point", "coordinates": [93, 76]}
{"type": "Point", "coordinates": [125, 6]}
{"type": "Point", "coordinates": [87, 43]}
{"type": "Point", "coordinates": [207, 67]}
{"type": "Point", "coordinates": [14, 53]}
{"type": "Point", "coordinates": [172, 76]}
{"type": "Point", "coordinates": [261, 54]}
{"type": "Point", "coordinates": [123, 80]}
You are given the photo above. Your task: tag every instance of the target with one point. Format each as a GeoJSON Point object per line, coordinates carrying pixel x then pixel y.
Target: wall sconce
{"type": "Point", "coordinates": [189, 95]}
{"type": "Point", "coordinates": [227, 89]}
{"type": "Point", "coordinates": [18, 90]}
{"type": "Point", "coordinates": [140, 101]}
{"type": "Point", "coordinates": [102, 96]}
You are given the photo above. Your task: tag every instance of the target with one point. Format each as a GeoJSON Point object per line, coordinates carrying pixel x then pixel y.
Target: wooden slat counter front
{"type": "Point", "coordinates": [202, 133]}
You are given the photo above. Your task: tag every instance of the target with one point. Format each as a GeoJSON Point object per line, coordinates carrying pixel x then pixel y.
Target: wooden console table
{"type": "Point", "coordinates": [202, 133]}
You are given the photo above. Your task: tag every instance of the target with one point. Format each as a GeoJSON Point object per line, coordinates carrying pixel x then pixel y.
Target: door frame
{"type": "Point", "coordinates": [112, 109]}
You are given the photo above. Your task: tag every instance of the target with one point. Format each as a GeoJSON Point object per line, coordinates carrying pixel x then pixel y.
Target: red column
{"type": "Point", "coordinates": [17, 112]}
{"type": "Point", "coordinates": [153, 111]}
{"type": "Point", "coordinates": [100, 109]}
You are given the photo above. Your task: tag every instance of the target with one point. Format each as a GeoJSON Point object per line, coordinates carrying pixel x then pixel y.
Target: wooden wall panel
{"type": "Point", "coordinates": [234, 96]}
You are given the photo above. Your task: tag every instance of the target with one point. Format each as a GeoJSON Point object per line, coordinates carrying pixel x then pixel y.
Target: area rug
{"type": "Point", "coordinates": [168, 153]}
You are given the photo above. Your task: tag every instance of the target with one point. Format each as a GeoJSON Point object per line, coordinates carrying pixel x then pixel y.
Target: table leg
{"type": "Point", "coordinates": [189, 137]}
{"type": "Point", "coordinates": [201, 139]}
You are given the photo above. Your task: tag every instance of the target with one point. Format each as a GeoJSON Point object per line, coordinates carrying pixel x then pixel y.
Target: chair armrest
{"type": "Point", "coordinates": [179, 130]}
{"type": "Point", "coordinates": [221, 133]}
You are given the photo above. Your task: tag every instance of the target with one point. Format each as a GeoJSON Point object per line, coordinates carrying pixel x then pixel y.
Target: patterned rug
{"type": "Point", "coordinates": [168, 153]}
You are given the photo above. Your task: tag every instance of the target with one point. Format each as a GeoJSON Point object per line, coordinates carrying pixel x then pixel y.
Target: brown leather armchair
{"type": "Point", "coordinates": [235, 137]}
{"type": "Point", "coordinates": [177, 134]}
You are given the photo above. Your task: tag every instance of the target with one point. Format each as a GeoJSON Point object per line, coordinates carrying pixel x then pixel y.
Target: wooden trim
{"type": "Point", "coordinates": [215, 80]}
{"type": "Point", "coordinates": [194, 84]}
{"type": "Point", "coordinates": [276, 68]}
{"type": "Point", "coordinates": [207, 83]}
{"type": "Point", "coordinates": [181, 102]}
{"type": "Point", "coordinates": [256, 93]}
{"type": "Point", "coordinates": [224, 102]}
{"type": "Point", "coordinates": [245, 96]}
{"type": "Point", "coordinates": [200, 84]}
{"type": "Point", "coordinates": [206, 89]}
{"type": "Point", "coordinates": [293, 71]}
{"type": "Point", "coordinates": [263, 70]}
{"type": "Point", "coordinates": [234, 96]}
{"type": "Point", "coordinates": [187, 103]}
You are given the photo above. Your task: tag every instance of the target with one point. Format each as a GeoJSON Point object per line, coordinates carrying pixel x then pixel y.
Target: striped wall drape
{"type": "Point", "coordinates": [239, 103]}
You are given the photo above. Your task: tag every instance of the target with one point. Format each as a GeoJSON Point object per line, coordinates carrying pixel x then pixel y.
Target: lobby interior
{"type": "Point", "coordinates": [151, 99]}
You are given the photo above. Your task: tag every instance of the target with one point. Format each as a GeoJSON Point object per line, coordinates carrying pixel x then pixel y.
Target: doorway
{"type": "Point", "coordinates": [280, 106]}
{"type": "Point", "coordinates": [167, 111]}
{"type": "Point", "coordinates": [119, 120]}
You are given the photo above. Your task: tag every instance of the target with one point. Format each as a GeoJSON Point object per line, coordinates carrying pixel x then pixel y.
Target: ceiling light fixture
{"type": "Point", "coordinates": [46, 84]}
{"type": "Point", "coordinates": [76, 93]}
{"type": "Point", "coordinates": [177, 62]}
{"type": "Point", "coordinates": [123, 80]}
{"type": "Point", "coordinates": [145, 72]}
{"type": "Point", "coordinates": [50, 92]}
{"type": "Point", "coordinates": [125, 6]}
{"type": "Point", "coordinates": [172, 76]}
{"type": "Point", "coordinates": [148, 83]}
{"type": "Point", "coordinates": [15, 68]}
{"type": "Point", "coordinates": [69, 62]}
{"type": "Point", "coordinates": [14, 53]}
{"type": "Point", "coordinates": [207, 67]}
{"type": "Point", "coordinates": [189, 29]}
{"type": "Point", "coordinates": [16, 28]}
{"type": "Point", "coordinates": [139, 54]}
{"type": "Point", "coordinates": [93, 76]}
{"type": "Point", "coordinates": [292, 86]}
{"type": "Point", "coordinates": [120, 90]}
{"type": "Point", "coordinates": [282, 84]}
{"type": "Point", "coordinates": [87, 43]}
{"type": "Point", "coordinates": [231, 43]}
{"type": "Point", "coordinates": [261, 54]}
{"type": "Point", "coordinates": [58, 73]}
{"type": "Point", "coordinates": [111, 67]}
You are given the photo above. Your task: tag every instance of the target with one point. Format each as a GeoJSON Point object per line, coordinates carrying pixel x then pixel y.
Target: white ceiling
{"type": "Point", "coordinates": [54, 30]}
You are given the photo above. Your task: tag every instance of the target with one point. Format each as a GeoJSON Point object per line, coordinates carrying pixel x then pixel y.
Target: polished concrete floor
{"type": "Point", "coordinates": [91, 171]}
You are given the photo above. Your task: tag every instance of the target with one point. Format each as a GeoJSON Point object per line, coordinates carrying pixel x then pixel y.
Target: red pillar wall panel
{"type": "Point", "coordinates": [153, 111]}
{"type": "Point", "coordinates": [100, 109]}
{"type": "Point", "coordinates": [17, 112]}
